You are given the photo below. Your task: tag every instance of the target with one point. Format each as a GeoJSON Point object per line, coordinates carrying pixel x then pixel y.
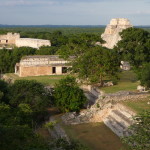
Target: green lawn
{"type": "Point", "coordinates": [138, 106]}
{"type": "Point", "coordinates": [46, 80]}
{"type": "Point", "coordinates": [128, 82]}
{"type": "Point", "coordinates": [96, 136]}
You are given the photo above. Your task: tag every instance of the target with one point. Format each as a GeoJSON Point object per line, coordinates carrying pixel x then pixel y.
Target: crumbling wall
{"type": "Point", "coordinates": [9, 38]}
{"type": "Point", "coordinates": [14, 39]}
{"type": "Point", "coordinates": [35, 43]}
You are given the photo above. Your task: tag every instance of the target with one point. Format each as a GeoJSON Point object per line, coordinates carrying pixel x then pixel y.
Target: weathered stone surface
{"type": "Point", "coordinates": [110, 83]}
{"type": "Point", "coordinates": [14, 39]}
{"type": "Point", "coordinates": [111, 34]}
{"type": "Point", "coordinates": [34, 43]}
{"type": "Point", "coordinates": [57, 131]}
{"type": "Point", "coordinates": [103, 107]}
{"type": "Point", "coordinates": [9, 38]}
{"type": "Point", "coordinates": [125, 65]}
{"type": "Point", "coordinates": [119, 119]}
{"type": "Point", "coordinates": [140, 88]}
{"type": "Point", "coordinates": [41, 65]}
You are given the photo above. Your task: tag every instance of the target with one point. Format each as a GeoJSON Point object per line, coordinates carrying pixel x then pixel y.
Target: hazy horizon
{"type": "Point", "coordinates": [73, 12]}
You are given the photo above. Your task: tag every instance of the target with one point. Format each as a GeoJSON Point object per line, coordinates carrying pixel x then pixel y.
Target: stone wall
{"type": "Point", "coordinates": [102, 108]}
{"type": "Point", "coordinates": [25, 71]}
{"type": "Point", "coordinates": [41, 65]}
{"type": "Point", "coordinates": [93, 90]}
{"type": "Point", "coordinates": [34, 71]}
{"type": "Point", "coordinates": [14, 39]}
{"type": "Point", "coordinates": [9, 38]}
{"type": "Point", "coordinates": [35, 43]}
{"type": "Point", "coordinates": [111, 34]}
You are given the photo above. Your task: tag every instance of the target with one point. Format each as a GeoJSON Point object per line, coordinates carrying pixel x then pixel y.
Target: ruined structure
{"type": "Point", "coordinates": [35, 43]}
{"type": "Point", "coordinates": [38, 65]}
{"type": "Point", "coordinates": [14, 39]}
{"type": "Point", "coordinates": [111, 34]}
{"type": "Point", "coordinates": [9, 38]}
{"type": "Point", "coordinates": [125, 65]}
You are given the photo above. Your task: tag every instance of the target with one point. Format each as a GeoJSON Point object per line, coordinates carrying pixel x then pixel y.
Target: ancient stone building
{"type": "Point", "coordinates": [111, 34]}
{"type": "Point", "coordinates": [9, 38]}
{"type": "Point", "coordinates": [38, 65]}
{"type": "Point", "coordinates": [14, 39]}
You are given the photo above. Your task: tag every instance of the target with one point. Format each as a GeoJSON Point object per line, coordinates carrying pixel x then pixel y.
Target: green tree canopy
{"type": "Point", "coordinates": [29, 92]}
{"type": "Point", "coordinates": [144, 75]}
{"type": "Point", "coordinates": [68, 96]}
{"type": "Point", "coordinates": [134, 46]}
{"type": "Point", "coordinates": [96, 64]}
{"type": "Point", "coordinates": [4, 89]}
{"type": "Point", "coordinates": [79, 44]}
{"type": "Point", "coordinates": [46, 50]}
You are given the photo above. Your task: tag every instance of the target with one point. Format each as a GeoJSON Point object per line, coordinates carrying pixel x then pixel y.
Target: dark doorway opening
{"type": "Point", "coordinates": [6, 41]}
{"type": "Point", "coordinates": [64, 69]}
{"type": "Point", "coordinates": [53, 70]}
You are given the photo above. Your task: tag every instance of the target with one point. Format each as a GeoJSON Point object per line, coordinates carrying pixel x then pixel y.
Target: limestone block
{"type": "Point", "coordinates": [35, 43]}
{"type": "Point", "coordinates": [140, 88]}
{"type": "Point", "coordinates": [110, 83]}
{"type": "Point", "coordinates": [125, 65]}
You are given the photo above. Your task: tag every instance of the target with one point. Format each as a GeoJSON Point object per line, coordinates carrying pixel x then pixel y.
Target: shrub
{"type": "Point", "coordinates": [68, 96]}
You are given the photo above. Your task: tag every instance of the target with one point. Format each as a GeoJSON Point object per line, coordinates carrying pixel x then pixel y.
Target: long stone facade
{"type": "Point", "coordinates": [14, 39]}
{"type": "Point", "coordinates": [39, 65]}
{"type": "Point", "coordinates": [111, 34]}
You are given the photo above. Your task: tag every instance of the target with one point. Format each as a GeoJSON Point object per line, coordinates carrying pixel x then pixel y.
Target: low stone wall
{"type": "Point", "coordinates": [93, 90]}
{"type": "Point", "coordinates": [101, 108]}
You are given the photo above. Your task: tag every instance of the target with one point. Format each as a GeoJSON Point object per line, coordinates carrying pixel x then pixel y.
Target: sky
{"type": "Point", "coordinates": [73, 12]}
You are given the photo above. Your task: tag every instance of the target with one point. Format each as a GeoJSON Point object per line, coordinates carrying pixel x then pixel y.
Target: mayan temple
{"type": "Point", "coordinates": [111, 34]}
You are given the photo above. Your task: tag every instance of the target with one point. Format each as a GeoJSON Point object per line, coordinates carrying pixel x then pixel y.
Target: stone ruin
{"type": "Point", "coordinates": [111, 34]}
{"type": "Point", "coordinates": [125, 65]}
{"type": "Point", "coordinates": [11, 39]}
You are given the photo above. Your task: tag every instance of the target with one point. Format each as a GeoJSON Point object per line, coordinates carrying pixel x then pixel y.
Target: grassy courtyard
{"type": "Point", "coordinates": [46, 80]}
{"type": "Point", "coordinates": [139, 105]}
{"type": "Point", "coordinates": [128, 82]}
{"type": "Point", "coordinates": [96, 136]}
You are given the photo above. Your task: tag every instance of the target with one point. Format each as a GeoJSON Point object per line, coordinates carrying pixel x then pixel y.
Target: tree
{"type": "Point", "coordinates": [29, 92]}
{"type": "Point", "coordinates": [9, 58]}
{"type": "Point", "coordinates": [18, 53]}
{"type": "Point", "coordinates": [68, 96]}
{"type": "Point", "coordinates": [134, 46]}
{"type": "Point", "coordinates": [78, 45]}
{"type": "Point", "coordinates": [46, 50]}
{"type": "Point", "coordinates": [5, 61]}
{"type": "Point", "coordinates": [4, 90]}
{"type": "Point", "coordinates": [144, 75]}
{"type": "Point", "coordinates": [140, 138]}
{"type": "Point", "coordinates": [96, 64]}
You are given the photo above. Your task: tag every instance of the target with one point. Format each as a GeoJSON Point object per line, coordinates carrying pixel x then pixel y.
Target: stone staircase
{"type": "Point", "coordinates": [119, 119]}
{"type": "Point", "coordinates": [91, 98]}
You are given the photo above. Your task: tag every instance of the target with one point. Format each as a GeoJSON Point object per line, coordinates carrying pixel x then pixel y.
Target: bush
{"type": "Point", "coordinates": [31, 93]}
{"type": "Point", "coordinates": [68, 96]}
{"type": "Point", "coordinates": [144, 75]}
